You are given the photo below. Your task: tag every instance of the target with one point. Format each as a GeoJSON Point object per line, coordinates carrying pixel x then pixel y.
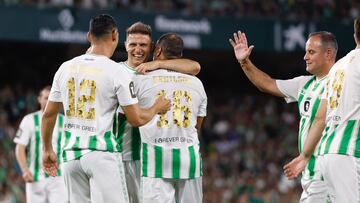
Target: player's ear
{"type": "Point", "coordinates": [114, 35]}
{"type": "Point", "coordinates": [88, 36]}
{"type": "Point", "coordinates": [157, 51]}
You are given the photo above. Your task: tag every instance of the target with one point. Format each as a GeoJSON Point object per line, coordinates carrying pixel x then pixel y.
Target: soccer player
{"type": "Point", "coordinates": [139, 45]}
{"type": "Point", "coordinates": [91, 87]}
{"type": "Point", "coordinates": [170, 160]}
{"type": "Point", "coordinates": [39, 187]}
{"type": "Point", "coordinates": [320, 55]}
{"type": "Point", "coordinates": [339, 115]}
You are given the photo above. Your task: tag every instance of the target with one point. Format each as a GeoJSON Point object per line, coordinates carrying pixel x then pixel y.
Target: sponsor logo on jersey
{"type": "Point", "coordinates": [306, 106]}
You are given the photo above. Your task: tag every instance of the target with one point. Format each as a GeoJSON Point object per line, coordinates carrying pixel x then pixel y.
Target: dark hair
{"type": "Point", "coordinates": [172, 45]}
{"type": "Point", "coordinates": [357, 28]}
{"type": "Point", "coordinates": [101, 25]}
{"type": "Point", "coordinates": [47, 87]}
{"type": "Point", "coordinates": [139, 28]}
{"type": "Point", "coordinates": [328, 39]}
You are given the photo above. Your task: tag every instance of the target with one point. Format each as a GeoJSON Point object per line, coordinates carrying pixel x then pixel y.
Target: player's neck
{"type": "Point", "coordinates": [130, 65]}
{"type": "Point", "coordinates": [100, 50]}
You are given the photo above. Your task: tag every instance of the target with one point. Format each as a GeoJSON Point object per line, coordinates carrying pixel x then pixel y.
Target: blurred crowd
{"type": "Point", "coordinates": [15, 102]}
{"type": "Point", "coordinates": [246, 139]}
{"type": "Point", "coordinates": [277, 9]}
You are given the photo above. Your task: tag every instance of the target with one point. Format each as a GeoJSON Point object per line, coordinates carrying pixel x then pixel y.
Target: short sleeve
{"type": "Point", "coordinates": [203, 104]}
{"type": "Point", "coordinates": [291, 88]}
{"type": "Point", "coordinates": [124, 88]}
{"type": "Point", "coordinates": [55, 92]}
{"type": "Point", "coordinates": [324, 95]}
{"type": "Point", "coordinates": [25, 131]}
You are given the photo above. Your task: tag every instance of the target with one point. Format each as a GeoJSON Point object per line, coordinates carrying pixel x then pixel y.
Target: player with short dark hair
{"type": "Point", "coordinates": [170, 160]}
{"type": "Point", "coordinates": [91, 87]}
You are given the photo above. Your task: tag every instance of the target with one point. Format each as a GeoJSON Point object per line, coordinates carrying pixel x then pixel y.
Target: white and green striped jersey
{"type": "Point", "coordinates": [170, 144]}
{"type": "Point", "coordinates": [342, 93]}
{"type": "Point", "coordinates": [307, 91]}
{"type": "Point", "coordinates": [128, 136]}
{"type": "Point", "coordinates": [91, 87]}
{"type": "Point", "coordinates": [29, 135]}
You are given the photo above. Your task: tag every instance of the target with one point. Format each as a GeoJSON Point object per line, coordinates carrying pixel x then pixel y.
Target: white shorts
{"type": "Point", "coordinates": [49, 190]}
{"type": "Point", "coordinates": [162, 190]}
{"type": "Point", "coordinates": [314, 190]}
{"type": "Point", "coordinates": [342, 177]}
{"type": "Point", "coordinates": [132, 174]}
{"type": "Point", "coordinates": [97, 176]}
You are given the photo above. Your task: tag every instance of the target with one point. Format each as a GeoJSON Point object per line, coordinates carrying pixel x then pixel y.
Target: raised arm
{"type": "Point", "coordinates": [186, 66]}
{"type": "Point", "coordinates": [297, 165]}
{"type": "Point", "coordinates": [50, 162]}
{"type": "Point", "coordinates": [260, 79]}
{"type": "Point", "coordinates": [138, 116]}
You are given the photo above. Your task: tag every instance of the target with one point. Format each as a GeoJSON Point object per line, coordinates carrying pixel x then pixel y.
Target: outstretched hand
{"type": "Point", "coordinates": [240, 45]}
{"type": "Point", "coordinates": [50, 163]}
{"type": "Point", "coordinates": [295, 167]}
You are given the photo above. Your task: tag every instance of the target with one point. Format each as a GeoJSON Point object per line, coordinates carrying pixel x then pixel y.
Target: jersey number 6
{"type": "Point", "coordinates": [179, 119]}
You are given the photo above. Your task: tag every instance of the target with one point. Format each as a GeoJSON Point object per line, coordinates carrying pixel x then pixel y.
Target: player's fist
{"type": "Point", "coordinates": [27, 176]}
{"type": "Point", "coordinates": [295, 167]}
{"type": "Point", "coordinates": [163, 104]}
{"type": "Point", "coordinates": [50, 163]}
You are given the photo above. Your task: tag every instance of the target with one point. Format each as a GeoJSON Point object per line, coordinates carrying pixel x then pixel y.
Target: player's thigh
{"type": "Point", "coordinates": [76, 181]}
{"type": "Point", "coordinates": [342, 176]}
{"type": "Point", "coordinates": [107, 178]}
{"type": "Point", "coordinates": [314, 191]}
{"type": "Point", "coordinates": [57, 190]}
{"type": "Point", "coordinates": [132, 173]}
{"type": "Point", "coordinates": [35, 192]}
{"type": "Point", "coordinates": [157, 190]}
{"type": "Point", "coordinates": [189, 191]}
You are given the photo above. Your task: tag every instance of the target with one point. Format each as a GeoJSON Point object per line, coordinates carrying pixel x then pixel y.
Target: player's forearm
{"type": "Point", "coordinates": [47, 127]}
{"type": "Point", "coordinates": [20, 153]}
{"type": "Point", "coordinates": [313, 138]}
{"type": "Point", "coordinates": [181, 65]}
{"type": "Point", "coordinates": [260, 79]}
{"type": "Point", "coordinates": [147, 114]}
{"type": "Point", "coordinates": [315, 132]}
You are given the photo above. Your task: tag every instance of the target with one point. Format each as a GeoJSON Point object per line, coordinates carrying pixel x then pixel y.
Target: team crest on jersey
{"type": "Point", "coordinates": [131, 88]}
{"type": "Point", "coordinates": [306, 106]}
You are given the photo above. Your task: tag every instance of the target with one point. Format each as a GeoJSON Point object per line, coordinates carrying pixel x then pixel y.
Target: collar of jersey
{"type": "Point", "coordinates": [127, 66]}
